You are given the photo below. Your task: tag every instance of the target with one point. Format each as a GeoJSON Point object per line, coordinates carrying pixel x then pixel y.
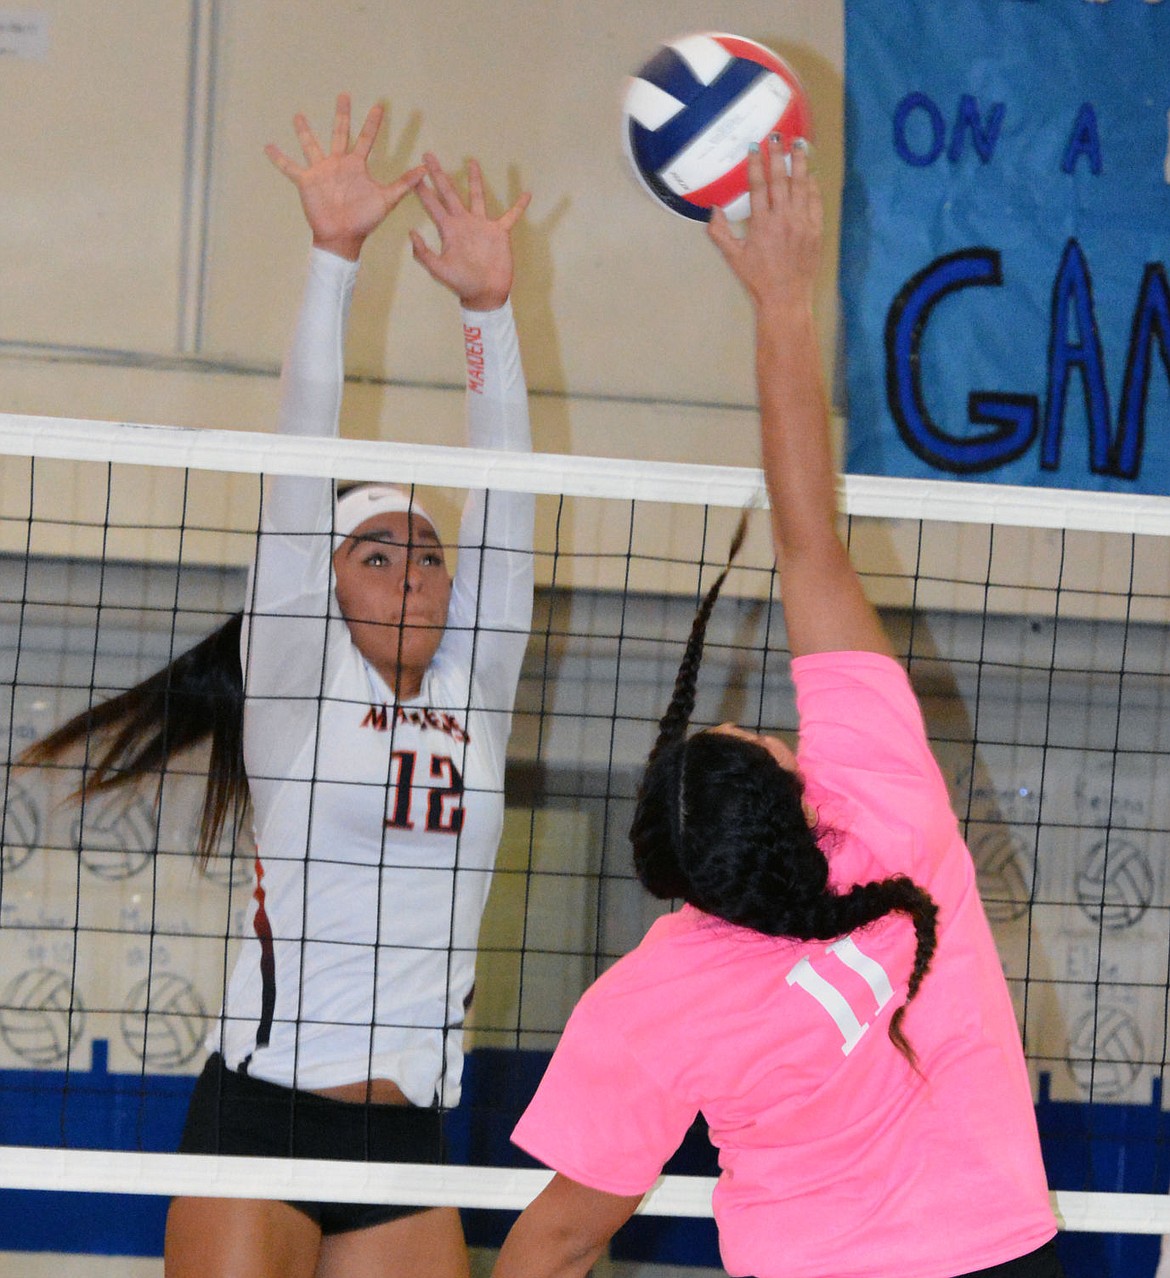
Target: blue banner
{"type": "Point", "coordinates": [1005, 234]}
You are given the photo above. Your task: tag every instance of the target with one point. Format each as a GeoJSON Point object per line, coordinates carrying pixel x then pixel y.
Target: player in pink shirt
{"type": "Point", "coordinates": [829, 996]}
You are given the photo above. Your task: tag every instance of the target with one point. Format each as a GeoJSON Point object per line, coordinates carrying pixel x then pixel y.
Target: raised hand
{"type": "Point", "coordinates": [342, 200]}
{"type": "Point", "coordinates": [475, 251]}
{"type": "Point", "coordinates": [778, 256]}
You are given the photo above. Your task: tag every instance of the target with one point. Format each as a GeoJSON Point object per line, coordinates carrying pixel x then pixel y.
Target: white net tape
{"type": "Point", "coordinates": [551, 473]}
{"type": "Point", "coordinates": [423, 1185]}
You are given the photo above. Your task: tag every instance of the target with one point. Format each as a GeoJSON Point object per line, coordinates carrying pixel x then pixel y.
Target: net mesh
{"type": "Point", "coordinates": [1034, 625]}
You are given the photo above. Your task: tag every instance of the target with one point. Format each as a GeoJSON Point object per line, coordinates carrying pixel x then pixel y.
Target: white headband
{"type": "Point", "coordinates": [360, 504]}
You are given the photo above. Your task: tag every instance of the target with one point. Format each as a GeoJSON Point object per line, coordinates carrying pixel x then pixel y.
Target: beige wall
{"type": "Point", "coordinates": [122, 248]}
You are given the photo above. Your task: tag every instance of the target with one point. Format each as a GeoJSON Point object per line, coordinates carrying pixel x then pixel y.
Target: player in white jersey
{"type": "Point", "coordinates": [377, 702]}
{"type": "Point", "coordinates": [376, 724]}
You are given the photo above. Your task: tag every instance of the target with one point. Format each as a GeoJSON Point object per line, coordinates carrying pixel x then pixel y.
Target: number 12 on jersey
{"type": "Point", "coordinates": [830, 997]}
{"type": "Point", "coordinates": [444, 794]}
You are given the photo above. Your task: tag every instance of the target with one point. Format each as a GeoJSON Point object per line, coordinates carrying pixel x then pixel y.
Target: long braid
{"type": "Point", "coordinates": [656, 830]}
{"type": "Point", "coordinates": [750, 858]}
{"type": "Point", "coordinates": [866, 903]}
{"type": "Point", "coordinates": [673, 724]}
{"type": "Point", "coordinates": [924, 915]}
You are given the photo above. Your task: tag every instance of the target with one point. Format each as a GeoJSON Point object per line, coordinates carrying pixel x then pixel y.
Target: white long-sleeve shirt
{"type": "Point", "coordinates": [376, 822]}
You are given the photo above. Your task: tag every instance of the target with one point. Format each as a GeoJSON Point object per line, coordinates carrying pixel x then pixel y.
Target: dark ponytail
{"type": "Point", "coordinates": [837, 914]}
{"type": "Point", "coordinates": [199, 696]}
{"type": "Point", "coordinates": [655, 831]}
{"type": "Point", "coordinates": [866, 903]}
{"type": "Point", "coordinates": [721, 825]}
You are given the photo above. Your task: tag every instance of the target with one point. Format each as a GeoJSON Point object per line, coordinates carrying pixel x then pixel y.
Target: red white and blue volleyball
{"type": "Point", "coordinates": [692, 112]}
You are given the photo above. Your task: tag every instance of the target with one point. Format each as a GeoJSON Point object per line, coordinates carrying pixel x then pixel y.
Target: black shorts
{"type": "Point", "coordinates": [1041, 1263]}
{"type": "Point", "coordinates": [233, 1114]}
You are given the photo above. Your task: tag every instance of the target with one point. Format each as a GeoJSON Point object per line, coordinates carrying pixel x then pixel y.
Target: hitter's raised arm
{"type": "Point", "coordinates": [776, 260]}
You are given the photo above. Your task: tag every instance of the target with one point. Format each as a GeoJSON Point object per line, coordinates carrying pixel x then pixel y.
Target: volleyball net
{"type": "Point", "coordinates": [1035, 627]}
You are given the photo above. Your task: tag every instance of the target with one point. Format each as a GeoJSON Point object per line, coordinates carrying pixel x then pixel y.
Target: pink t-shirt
{"type": "Point", "coordinates": [837, 1159]}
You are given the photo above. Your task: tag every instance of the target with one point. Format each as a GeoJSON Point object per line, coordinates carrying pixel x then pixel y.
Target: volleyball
{"type": "Point", "coordinates": [116, 834]}
{"type": "Point", "coordinates": [692, 112]}
{"type": "Point", "coordinates": [41, 1016]}
{"type": "Point", "coordinates": [1105, 1052]}
{"type": "Point", "coordinates": [164, 1021]}
{"type": "Point", "coordinates": [21, 825]}
{"type": "Point", "coordinates": [1115, 884]}
{"type": "Point", "coordinates": [227, 869]}
{"type": "Point", "coordinates": [1003, 886]}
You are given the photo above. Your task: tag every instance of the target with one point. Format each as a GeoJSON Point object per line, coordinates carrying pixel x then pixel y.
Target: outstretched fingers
{"type": "Point", "coordinates": [723, 237]}
{"type": "Point", "coordinates": [474, 257]}
{"type": "Point", "coordinates": [369, 132]}
{"type": "Point", "coordinates": [477, 199]}
{"type": "Point", "coordinates": [769, 184]}
{"type": "Point", "coordinates": [775, 256]}
{"type": "Point", "coordinates": [435, 208]}
{"type": "Point", "coordinates": [290, 168]}
{"type": "Point", "coordinates": [310, 147]}
{"type": "Point", "coordinates": [342, 200]}
{"type": "Point", "coordinates": [509, 219]}
{"type": "Point", "coordinates": [411, 180]}
{"type": "Point", "coordinates": [423, 253]}
{"type": "Point", "coordinates": [341, 113]}
{"type": "Point", "coordinates": [803, 179]}
{"type": "Point", "coordinates": [759, 178]}
{"type": "Point", "coordinates": [442, 201]}
{"type": "Point", "coordinates": [443, 187]}
{"type": "Point", "coordinates": [780, 176]}
{"type": "Point", "coordinates": [475, 194]}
